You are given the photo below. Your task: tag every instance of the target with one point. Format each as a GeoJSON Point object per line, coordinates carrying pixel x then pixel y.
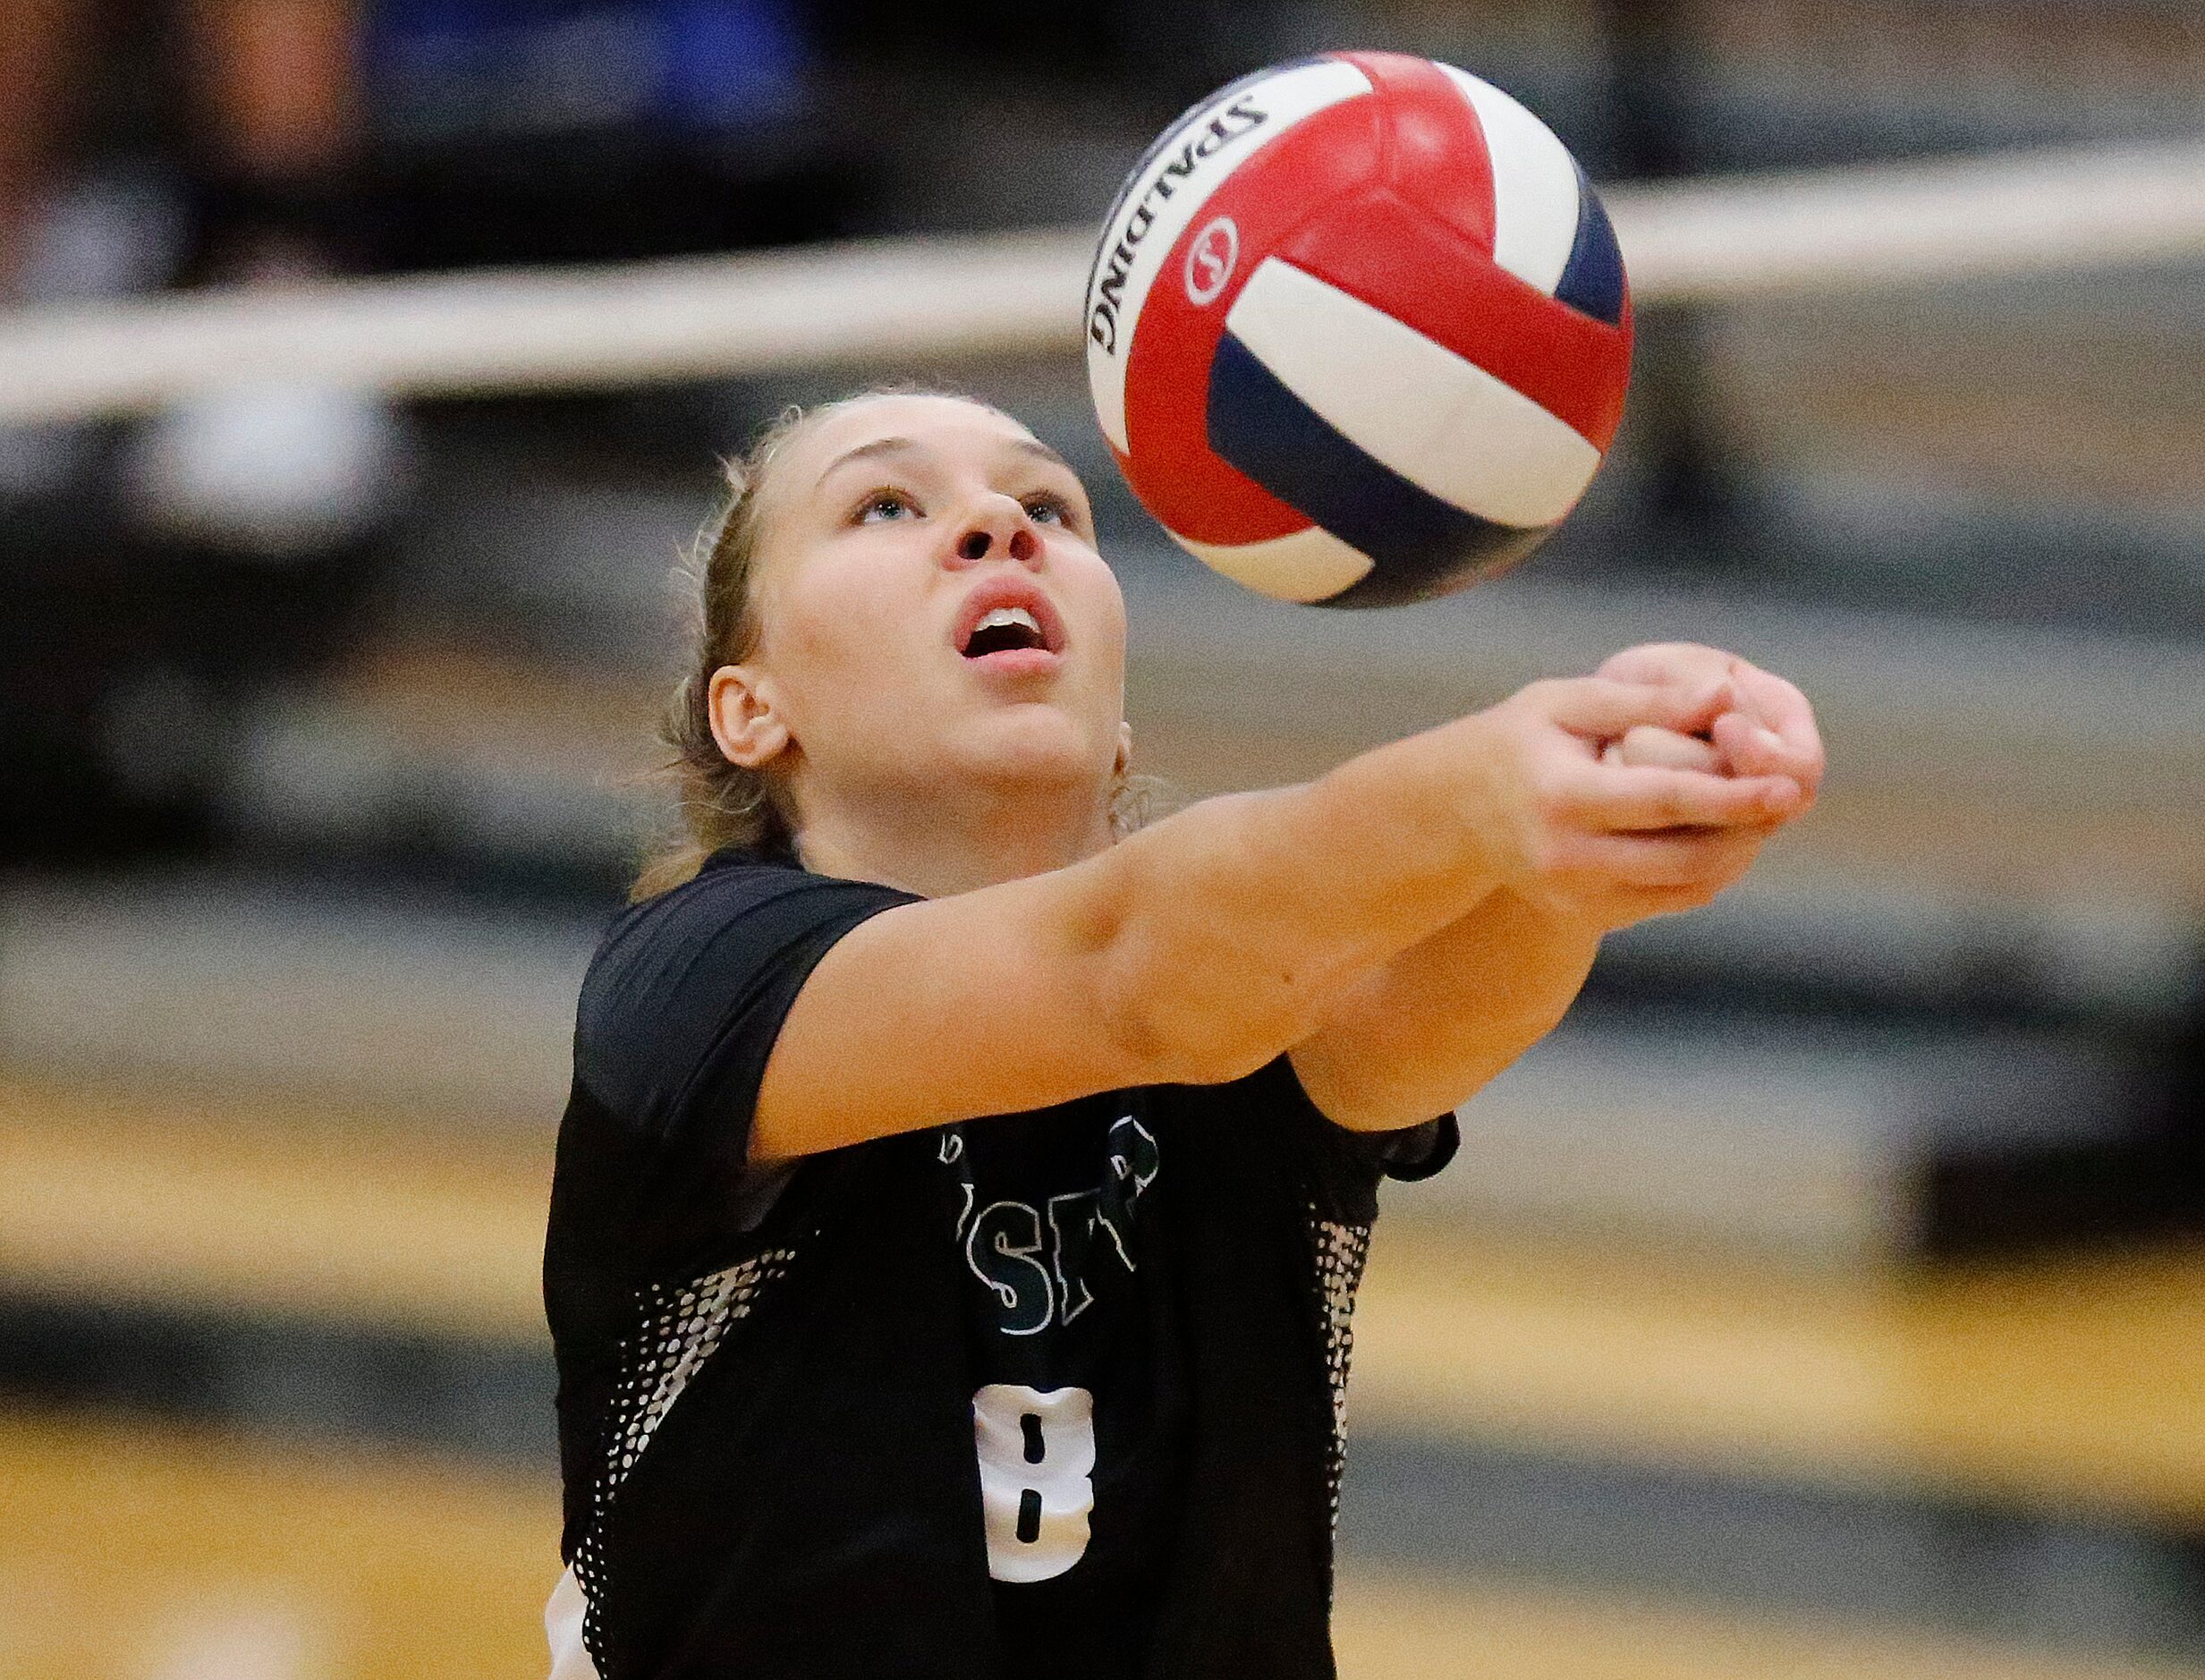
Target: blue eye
{"type": "Point", "coordinates": [1047, 509]}
{"type": "Point", "coordinates": [885, 505]}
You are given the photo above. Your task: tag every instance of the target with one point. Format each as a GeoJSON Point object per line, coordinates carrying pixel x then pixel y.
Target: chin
{"type": "Point", "coordinates": [1036, 745]}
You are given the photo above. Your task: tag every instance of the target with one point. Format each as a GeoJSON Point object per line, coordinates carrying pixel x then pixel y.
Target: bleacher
{"type": "Point", "coordinates": [1827, 1298]}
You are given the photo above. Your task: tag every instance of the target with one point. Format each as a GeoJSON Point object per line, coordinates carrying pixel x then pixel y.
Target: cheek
{"type": "Point", "coordinates": [818, 598]}
{"type": "Point", "coordinates": [840, 617]}
{"type": "Point", "coordinates": [1101, 610]}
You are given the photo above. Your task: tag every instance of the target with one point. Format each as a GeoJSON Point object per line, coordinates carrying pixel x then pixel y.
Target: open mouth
{"type": "Point", "coordinates": [1004, 629]}
{"type": "Point", "coordinates": [1010, 624]}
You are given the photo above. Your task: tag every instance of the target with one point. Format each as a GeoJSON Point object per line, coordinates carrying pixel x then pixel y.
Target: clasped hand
{"type": "Point", "coordinates": [1649, 787]}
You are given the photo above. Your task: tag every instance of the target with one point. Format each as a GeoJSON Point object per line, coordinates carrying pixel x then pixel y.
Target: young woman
{"type": "Point", "coordinates": [960, 1203]}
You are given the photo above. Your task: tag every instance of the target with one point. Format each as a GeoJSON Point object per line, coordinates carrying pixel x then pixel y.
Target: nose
{"type": "Point", "coordinates": [999, 528]}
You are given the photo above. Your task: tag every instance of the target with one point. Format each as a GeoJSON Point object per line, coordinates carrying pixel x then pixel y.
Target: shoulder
{"type": "Point", "coordinates": [727, 891]}
{"type": "Point", "coordinates": [701, 975]}
{"type": "Point", "coordinates": [735, 914]}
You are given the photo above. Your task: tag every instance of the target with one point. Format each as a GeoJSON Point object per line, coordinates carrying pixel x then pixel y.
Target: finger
{"type": "Point", "coordinates": [1606, 709]}
{"type": "Point", "coordinates": [1783, 710]}
{"type": "Point", "coordinates": [1622, 799]}
{"type": "Point", "coordinates": [1683, 863]}
{"type": "Point", "coordinates": [1645, 746]}
{"type": "Point", "coordinates": [1749, 748]}
{"type": "Point", "coordinates": [1753, 750]}
{"type": "Point", "coordinates": [1666, 662]}
{"type": "Point", "coordinates": [1778, 703]}
{"type": "Point", "coordinates": [1772, 703]}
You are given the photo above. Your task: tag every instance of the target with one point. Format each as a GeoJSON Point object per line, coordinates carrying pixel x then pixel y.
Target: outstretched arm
{"type": "Point", "coordinates": [1427, 1029]}
{"type": "Point", "coordinates": [1196, 950]}
{"type": "Point", "coordinates": [1423, 1034]}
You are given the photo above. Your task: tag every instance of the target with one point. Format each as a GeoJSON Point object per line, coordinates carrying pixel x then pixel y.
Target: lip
{"type": "Point", "coordinates": [1010, 662]}
{"type": "Point", "coordinates": [1010, 588]}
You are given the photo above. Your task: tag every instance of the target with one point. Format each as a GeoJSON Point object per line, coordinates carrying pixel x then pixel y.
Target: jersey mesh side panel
{"type": "Point", "coordinates": [679, 1327]}
{"type": "Point", "coordinates": [1340, 1251]}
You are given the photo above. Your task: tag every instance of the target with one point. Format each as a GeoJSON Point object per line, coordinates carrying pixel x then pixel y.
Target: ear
{"type": "Point", "coordinates": [745, 722]}
{"type": "Point", "coordinates": [1126, 749]}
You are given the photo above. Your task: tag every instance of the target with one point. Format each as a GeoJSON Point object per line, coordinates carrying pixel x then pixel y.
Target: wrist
{"type": "Point", "coordinates": [1485, 802]}
{"type": "Point", "coordinates": [1429, 806]}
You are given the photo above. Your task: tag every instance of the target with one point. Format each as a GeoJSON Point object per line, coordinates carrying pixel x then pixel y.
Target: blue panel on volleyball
{"type": "Point", "coordinates": [1423, 546]}
{"type": "Point", "coordinates": [1592, 280]}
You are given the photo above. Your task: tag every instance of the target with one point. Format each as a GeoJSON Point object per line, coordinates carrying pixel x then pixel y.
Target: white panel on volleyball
{"type": "Point", "coordinates": [1160, 203]}
{"type": "Point", "coordinates": [1443, 423]}
{"type": "Point", "coordinates": [1535, 185]}
{"type": "Point", "coordinates": [1309, 566]}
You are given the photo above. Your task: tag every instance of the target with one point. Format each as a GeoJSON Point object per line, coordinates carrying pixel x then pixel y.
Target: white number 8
{"type": "Point", "coordinates": [1036, 1454]}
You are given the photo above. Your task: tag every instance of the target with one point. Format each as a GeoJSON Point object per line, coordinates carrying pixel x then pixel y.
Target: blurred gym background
{"type": "Point", "coordinates": [1827, 1298]}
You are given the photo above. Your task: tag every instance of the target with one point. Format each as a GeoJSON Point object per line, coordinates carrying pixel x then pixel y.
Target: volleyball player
{"type": "Point", "coordinates": [961, 1202]}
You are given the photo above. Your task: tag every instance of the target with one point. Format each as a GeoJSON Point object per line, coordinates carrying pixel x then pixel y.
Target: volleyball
{"type": "Point", "coordinates": [1358, 330]}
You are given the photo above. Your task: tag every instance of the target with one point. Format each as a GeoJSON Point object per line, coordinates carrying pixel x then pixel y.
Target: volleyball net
{"type": "Point", "coordinates": [939, 299]}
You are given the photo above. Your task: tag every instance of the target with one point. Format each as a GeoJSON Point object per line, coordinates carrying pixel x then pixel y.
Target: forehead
{"type": "Point", "coordinates": [942, 423]}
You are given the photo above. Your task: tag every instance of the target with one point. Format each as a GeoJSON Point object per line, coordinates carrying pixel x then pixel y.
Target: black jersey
{"type": "Point", "coordinates": [1057, 1392]}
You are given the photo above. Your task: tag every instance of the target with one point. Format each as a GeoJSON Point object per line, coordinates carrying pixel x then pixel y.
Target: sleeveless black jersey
{"type": "Point", "coordinates": [1058, 1392]}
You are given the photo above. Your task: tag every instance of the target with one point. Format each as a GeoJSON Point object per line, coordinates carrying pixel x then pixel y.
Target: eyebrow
{"type": "Point", "coordinates": [900, 445]}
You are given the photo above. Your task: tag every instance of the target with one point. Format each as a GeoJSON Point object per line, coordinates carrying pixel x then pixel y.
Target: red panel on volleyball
{"type": "Point", "coordinates": [1296, 177]}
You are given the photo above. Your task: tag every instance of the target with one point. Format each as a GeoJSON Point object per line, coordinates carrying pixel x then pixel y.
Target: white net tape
{"type": "Point", "coordinates": [932, 299]}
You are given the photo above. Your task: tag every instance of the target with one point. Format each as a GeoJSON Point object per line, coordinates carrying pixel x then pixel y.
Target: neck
{"type": "Point", "coordinates": [943, 846]}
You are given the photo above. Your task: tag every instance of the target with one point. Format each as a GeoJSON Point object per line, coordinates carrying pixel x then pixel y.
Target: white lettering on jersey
{"type": "Point", "coordinates": [1005, 1242]}
{"type": "Point", "coordinates": [1036, 1456]}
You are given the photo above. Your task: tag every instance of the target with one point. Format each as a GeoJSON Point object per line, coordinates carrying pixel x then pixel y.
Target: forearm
{"type": "Point", "coordinates": [1425, 1031]}
{"type": "Point", "coordinates": [1199, 949]}
{"type": "Point", "coordinates": [1240, 922]}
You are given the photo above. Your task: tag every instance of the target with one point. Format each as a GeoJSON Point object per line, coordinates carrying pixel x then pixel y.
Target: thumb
{"type": "Point", "coordinates": [1605, 708]}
